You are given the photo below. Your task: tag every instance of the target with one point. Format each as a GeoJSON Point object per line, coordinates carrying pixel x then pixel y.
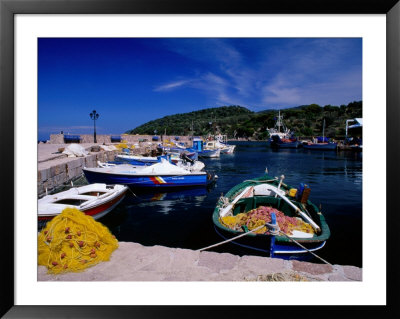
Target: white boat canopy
{"type": "Point", "coordinates": [358, 124]}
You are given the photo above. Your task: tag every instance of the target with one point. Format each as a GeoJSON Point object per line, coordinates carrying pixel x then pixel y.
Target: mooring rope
{"type": "Point", "coordinates": [274, 230]}
{"type": "Point", "coordinates": [229, 240]}
{"type": "Point", "coordinates": [291, 239]}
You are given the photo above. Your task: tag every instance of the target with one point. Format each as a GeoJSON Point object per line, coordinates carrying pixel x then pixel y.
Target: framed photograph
{"type": "Point", "coordinates": [30, 30]}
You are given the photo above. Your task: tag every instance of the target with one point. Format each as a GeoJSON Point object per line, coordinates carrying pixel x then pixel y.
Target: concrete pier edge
{"type": "Point", "coordinates": [135, 262]}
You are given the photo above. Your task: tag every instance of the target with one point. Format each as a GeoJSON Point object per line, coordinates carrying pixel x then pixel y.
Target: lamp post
{"type": "Point", "coordinates": [94, 116]}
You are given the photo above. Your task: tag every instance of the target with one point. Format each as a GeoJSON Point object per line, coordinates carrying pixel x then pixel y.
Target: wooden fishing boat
{"type": "Point", "coordinates": [95, 200]}
{"type": "Point", "coordinates": [248, 206]}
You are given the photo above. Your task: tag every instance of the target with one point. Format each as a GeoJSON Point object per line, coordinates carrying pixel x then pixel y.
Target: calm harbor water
{"type": "Point", "coordinates": [183, 219]}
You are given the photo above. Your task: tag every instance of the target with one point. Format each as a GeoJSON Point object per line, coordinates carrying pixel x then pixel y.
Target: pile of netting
{"type": "Point", "coordinates": [73, 241]}
{"type": "Point", "coordinates": [122, 145]}
{"type": "Point", "coordinates": [261, 215]}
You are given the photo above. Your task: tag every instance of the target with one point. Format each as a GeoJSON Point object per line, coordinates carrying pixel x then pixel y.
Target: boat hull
{"type": "Point", "coordinates": [146, 181]}
{"type": "Point", "coordinates": [328, 146]}
{"type": "Point", "coordinates": [261, 244]}
{"type": "Point", "coordinates": [210, 153]}
{"type": "Point", "coordinates": [228, 150]}
{"type": "Point", "coordinates": [295, 144]}
{"type": "Point", "coordinates": [96, 209]}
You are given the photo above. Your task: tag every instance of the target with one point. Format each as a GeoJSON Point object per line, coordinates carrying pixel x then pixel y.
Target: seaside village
{"type": "Point", "coordinates": [83, 178]}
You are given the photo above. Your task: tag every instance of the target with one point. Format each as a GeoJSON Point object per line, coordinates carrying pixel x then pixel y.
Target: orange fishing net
{"type": "Point", "coordinates": [73, 241]}
{"type": "Point", "coordinates": [261, 215]}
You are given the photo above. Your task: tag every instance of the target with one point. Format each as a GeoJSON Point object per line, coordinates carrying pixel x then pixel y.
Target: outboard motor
{"type": "Point", "coordinates": [186, 158]}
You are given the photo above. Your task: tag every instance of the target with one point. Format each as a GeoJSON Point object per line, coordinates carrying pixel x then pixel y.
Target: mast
{"type": "Point", "coordinates": [323, 132]}
{"type": "Point", "coordinates": [279, 121]}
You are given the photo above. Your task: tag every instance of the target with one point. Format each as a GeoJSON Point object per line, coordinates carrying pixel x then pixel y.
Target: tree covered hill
{"type": "Point", "coordinates": [238, 121]}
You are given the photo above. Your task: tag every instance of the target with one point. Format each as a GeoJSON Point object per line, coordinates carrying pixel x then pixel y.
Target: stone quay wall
{"type": "Point", "coordinates": [59, 170]}
{"type": "Point", "coordinates": [130, 139]}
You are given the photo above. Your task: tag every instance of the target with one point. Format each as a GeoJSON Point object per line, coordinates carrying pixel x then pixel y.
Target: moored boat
{"type": "Point", "coordinates": [95, 200]}
{"type": "Point", "coordinates": [137, 159]}
{"type": "Point", "coordinates": [250, 206]}
{"type": "Point", "coordinates": [277, 142]}
{"type": "Point", "coordinates": [320, 146]}
{"type": "Point", "coordinates": [216, 145]}
{"type": "Point", "coordinates": [198, 146]}
{"type": "Point", "coordinates": [221, 142]}
{"type": "Point", "coordinates": [159, 175]}
{"type": "Point", "coordinates": [279, 129]}
{"type": "Point", "coordinates": [321, 143]}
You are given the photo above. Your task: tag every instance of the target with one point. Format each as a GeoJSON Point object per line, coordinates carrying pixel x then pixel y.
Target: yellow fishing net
{"type": "Point", "coordinates": [122, 145]}
{"type": "Point", "coordinates": [73, 241]}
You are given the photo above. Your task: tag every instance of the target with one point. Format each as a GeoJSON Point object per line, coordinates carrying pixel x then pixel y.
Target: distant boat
{"type": "Point", "coordinates": [173, 147]}
{"type": "Point", "coordinates": [222, 143]}
{"type": "Point", "coordinates": [277, 142]}
{"type": "Point", "coordinates": [198, 146]}
{"type": "Point", "coordinates": [138, 160]}
{"type": "Point", "coordinates": [320, 146]}
{"type": "Point", "coordinates": [216, 145]}
{"type": "Point", "coordinates": [95, 200]}
{"type": "Point", "coordinates": [279, 129]}
{"type": "Point", "coordinates": [248, 206]}
{"type": "Point", "coordinates": [324, 144]}
{"type": "Point", "coordinates": [159, 175]}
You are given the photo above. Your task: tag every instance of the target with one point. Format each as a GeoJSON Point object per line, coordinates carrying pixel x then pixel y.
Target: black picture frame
{"type": "Point", "coordinates": [8, 10]}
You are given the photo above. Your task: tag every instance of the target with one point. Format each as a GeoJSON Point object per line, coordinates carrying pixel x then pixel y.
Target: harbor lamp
{"type": "Point", "coordinates": [94, 116]}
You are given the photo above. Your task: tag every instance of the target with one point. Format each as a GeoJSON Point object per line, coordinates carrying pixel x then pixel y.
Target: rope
{"type": "Point", "coordinates": [274, 230]}
{"type": "Point", "coordinates": [229, 240]}
{"type": "Point", "coordinates": [291, 239]}
{"type": "Point", "coordinates": [224, 200]}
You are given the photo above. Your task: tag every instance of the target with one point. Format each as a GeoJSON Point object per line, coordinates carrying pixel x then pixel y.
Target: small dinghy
{"type": "Point", "coordinates": [95, 200]}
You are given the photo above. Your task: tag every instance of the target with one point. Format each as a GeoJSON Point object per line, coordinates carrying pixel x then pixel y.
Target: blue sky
{"type": "Point", "coordinates": [132, 81]}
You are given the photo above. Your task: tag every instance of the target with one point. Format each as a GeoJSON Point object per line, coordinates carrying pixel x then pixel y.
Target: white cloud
{"type": "Point", "coordinates": [171, 86]}
{"type": "Point", "coordinates": [272, 76]}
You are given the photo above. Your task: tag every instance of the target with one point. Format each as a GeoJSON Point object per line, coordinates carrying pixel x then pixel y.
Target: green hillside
{"type": "Point", "coordinates": [237, 121]}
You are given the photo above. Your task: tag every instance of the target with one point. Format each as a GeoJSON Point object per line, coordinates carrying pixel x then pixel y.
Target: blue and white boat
{"type": "Point", "coordinates": [320, 146]}
{"type": "Point", "coordinates": [198, 146]}
{"type": "Point", "coordinates": [174, 157]}
{"type": "Point", "coordinates": [137, 160]}
{"type": "Point", "coordinates": [321, 143]}
{"type": "Point", "coordinates": [159, 175]}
